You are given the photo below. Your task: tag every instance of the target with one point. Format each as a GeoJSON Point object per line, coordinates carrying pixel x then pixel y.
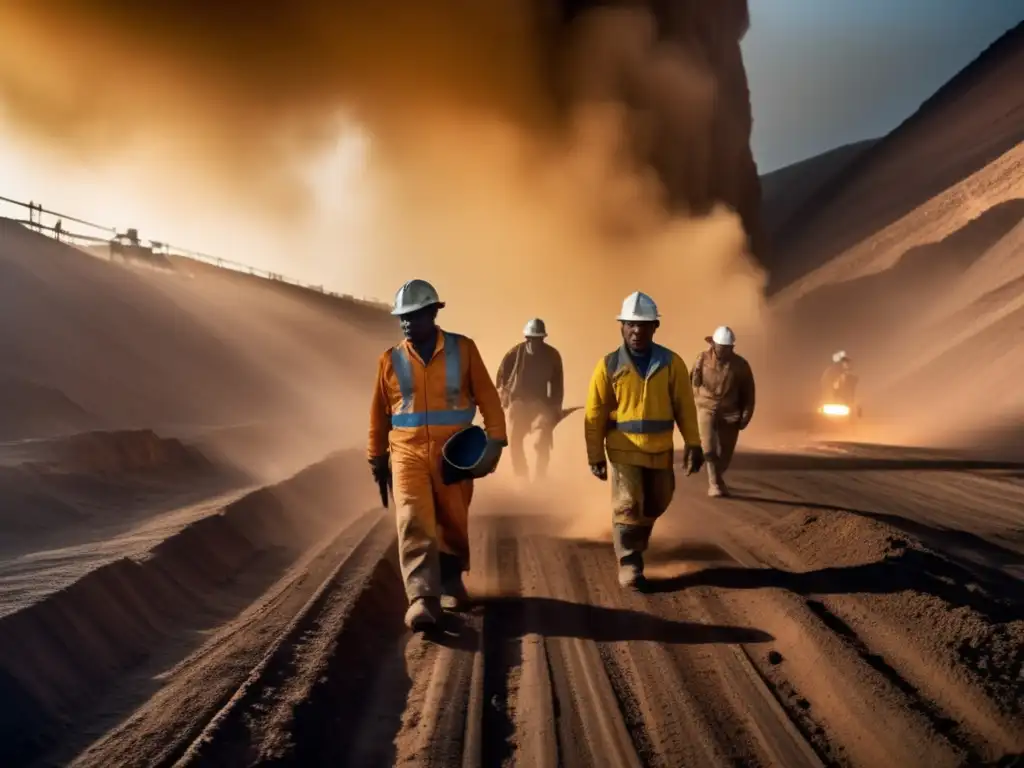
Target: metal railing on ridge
{"type": "Point", "coordinates": [127, 246]}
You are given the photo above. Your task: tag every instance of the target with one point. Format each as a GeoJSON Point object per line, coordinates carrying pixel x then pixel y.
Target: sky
{"type": "Point", "coordinates": [824, 73]}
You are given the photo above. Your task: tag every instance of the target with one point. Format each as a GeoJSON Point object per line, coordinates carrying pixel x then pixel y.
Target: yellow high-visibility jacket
{"type": "Point", "coordinates": [634, 417]}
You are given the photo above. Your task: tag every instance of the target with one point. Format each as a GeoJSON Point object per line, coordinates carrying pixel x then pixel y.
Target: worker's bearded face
{"type": "Point", "coordinates": [638, 337]}
{"type": "Point", "coordinates": [723, 351]}
{"type": "Point", "coordinates": [533, 344]}
{"type": "Point", "coordinates": [420, 325]}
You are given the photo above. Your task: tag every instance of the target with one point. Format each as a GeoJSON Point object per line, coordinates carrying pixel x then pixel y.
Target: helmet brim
{"type": "Point", "coordinates": [416, 308]}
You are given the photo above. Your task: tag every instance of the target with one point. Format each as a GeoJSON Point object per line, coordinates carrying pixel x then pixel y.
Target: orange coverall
{"type": "Point", "coordinates": [416, 407]}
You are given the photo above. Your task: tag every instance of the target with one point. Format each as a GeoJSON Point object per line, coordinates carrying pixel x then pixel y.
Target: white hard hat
{"type": "Point", "coordinates": [723, 335]}
{"type": "Point", "coordinates": [638, 308]}
{"type": "Point", "coordinates": [414, 295]}
{"type": "Point", "coordinates": [535, 329]}
{"type": "Point", "coordinates": [839, 356]}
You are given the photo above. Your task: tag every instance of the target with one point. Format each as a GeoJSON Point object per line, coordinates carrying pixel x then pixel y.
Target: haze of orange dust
{"type": "Point", "coordinates": [475, 179]}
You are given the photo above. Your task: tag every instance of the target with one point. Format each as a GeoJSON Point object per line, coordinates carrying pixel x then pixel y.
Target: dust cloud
{"type": "Point", "coordinates": [530, 159]}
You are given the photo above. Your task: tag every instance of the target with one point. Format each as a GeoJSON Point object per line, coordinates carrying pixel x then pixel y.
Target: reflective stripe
{"type": "Point", "coordinates": [617, 363]}
{"type": "Point", "coordinates": [642, 426]}
{"type": "Point", "coordinates": [452, 369]}
{"type": "Point", "coordinates": [456, 418]}
{"type": "Point", "coordinates": [452, 416]}
{"type": "Point", "coordinates": [403, 372]}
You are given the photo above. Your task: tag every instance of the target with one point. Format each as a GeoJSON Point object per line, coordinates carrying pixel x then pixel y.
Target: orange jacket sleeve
{"type": "Point", "coordinates": [485, 394]}
{"type": "Point", "coordinates": [380, 410]}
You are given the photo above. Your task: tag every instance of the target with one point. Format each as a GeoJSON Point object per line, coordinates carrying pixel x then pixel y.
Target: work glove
{"type": "Point", "coordinates": [492, 454]}
{"type": "Point", "coordinates": [745, 419]}
{"type": "Point", "coordinates": [599, 470]}
{"type": "Point", "coordinates": [380, 467]}
{"type": "Point", "coordinates": [693, 459]}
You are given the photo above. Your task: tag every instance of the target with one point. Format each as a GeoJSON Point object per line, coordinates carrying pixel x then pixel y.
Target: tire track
{"type": "Point", "coordinates": [918, 693]}
{"type": "Point", "coordinates": [698, 689]}
{"type": "Point", "coordinates": [162, 729]}
{"type": "Point", "coordinates": [936, 684]}
{"type": "Point", "coordinates": [286, 694]}
{"type": "Point", "coordinates": [590, 724]}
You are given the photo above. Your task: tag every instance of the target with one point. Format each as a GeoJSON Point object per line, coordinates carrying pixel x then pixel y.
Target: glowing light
{"type": "Point", "coordinates": [835, 409]}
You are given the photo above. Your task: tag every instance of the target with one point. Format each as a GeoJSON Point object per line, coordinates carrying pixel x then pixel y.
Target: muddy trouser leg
{"type": "Point", "coordinates": [639, 497]}
{"type": "Point", "coordinates": [728, 434]}
{"type": "Point", "coordinates": [452, 505]}
{"type": "Point", "coordinates": [415, 512]}
{"type": "Point", "coordinates": [707, 422]}
{"type": "Point", "coordinates": [519, 426]}
{"type": "Point", "coordinates": [544, 442]}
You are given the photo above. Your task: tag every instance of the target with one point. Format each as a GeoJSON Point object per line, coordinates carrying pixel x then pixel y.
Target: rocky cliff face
{"type": "Point", "coordinates": [677, 65]}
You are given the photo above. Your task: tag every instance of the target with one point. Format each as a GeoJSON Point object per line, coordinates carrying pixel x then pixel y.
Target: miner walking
{"type": "Point", "coordinates": [428, 389]}
{"type": "Point", "coordinates": [723, 389]}
{"type": "Point", "coordinates": [639, 394]}
{"type": "Point", "coordinates": [531, 384]}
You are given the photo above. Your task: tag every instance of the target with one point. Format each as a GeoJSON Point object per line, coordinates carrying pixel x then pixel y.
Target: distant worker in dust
{"type": "Point", "coordinates": [723, 388]}
{"type": "Point", "coordinates": [839, 383]}
{"type": "Point", "coordinates": [531, 384]}
{"type": "Point", "coordinates": [427, 391]}
{"type": "Point", "coordinates": [639, 394]}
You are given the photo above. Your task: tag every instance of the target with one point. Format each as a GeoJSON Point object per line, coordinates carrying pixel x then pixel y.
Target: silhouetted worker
{"type": "Point", "coordinates": [723, 389]}
{"type": "Point", "coordinates": [839, 383]}
{"type": "Point", "coordinates": [531, 384]}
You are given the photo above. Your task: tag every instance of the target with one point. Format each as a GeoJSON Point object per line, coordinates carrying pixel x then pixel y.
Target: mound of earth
{"type": "Point", "coordinates": [39, 411]}
{"type": "Point", "coordinates": [867, 573]}
{"type": "Point", "coordinates": [64, 651]}
{"type": "Point", "coordinates": [105, 453]}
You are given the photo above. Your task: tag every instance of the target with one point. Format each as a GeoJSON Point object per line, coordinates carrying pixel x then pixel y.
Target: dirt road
{"type": "Point", "coordinates": [833, 613]}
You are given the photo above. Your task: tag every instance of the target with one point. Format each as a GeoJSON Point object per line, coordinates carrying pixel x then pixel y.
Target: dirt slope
{"type": "Point", "coordinates": [970, 122]}
{"type": "Point", "coordinates": [83, 630]}
{"type": "Point", "coordinates": [913, 264]}
{"type": "Point", "coordinates": [87, 343]}
{"type": "Point", "coordinates": [786, 191]}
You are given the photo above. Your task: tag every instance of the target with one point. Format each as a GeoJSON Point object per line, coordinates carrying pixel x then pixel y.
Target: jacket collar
{"type": "Point", "coordinates": [410, 348]}
{"type": "Point", "coordinates": [660, 358]}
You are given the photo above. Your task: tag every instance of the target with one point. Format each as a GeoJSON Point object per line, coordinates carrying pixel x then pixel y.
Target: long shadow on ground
{"type": "Point", "coordinates": [551, 617]}
{"type": "Point", "coordinates": [764, 462]}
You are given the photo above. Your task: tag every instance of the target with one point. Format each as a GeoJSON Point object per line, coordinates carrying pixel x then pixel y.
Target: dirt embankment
{"type": "Point", "coordinates": [37, 411]}
{"type": "Point", "coordinates": [90, 344]}
{"type": "Point", "coordinates": [911, 260]}
{"type": "Point", "coordinates": [59, 656]}
{"type": "Point", "coordinates": [54, 486]}
{"type": "Point", "coordinates": [114, 453]}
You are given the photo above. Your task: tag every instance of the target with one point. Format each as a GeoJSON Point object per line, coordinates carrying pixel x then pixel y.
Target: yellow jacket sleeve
{"type": "Point", "coordinates": [595, 420]}
{"type": "Point", "coordinates": [683, 408]}
{"type": "Point", "coordinates": [380, 411]}
{"type": "Point", "coordinates": [486, 395]}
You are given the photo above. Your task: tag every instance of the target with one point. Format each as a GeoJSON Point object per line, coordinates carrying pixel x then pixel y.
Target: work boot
{"type": "Point", "coordinates": [631, 572]}
{"type": "Point", "coordinates": [453, 591]}
{"type": "Point", "coordinates": [716, 484]}
{"type": "Point", "coordinates": [423, 614]}
{"type": "Point", "coordinates": [454, 596]}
